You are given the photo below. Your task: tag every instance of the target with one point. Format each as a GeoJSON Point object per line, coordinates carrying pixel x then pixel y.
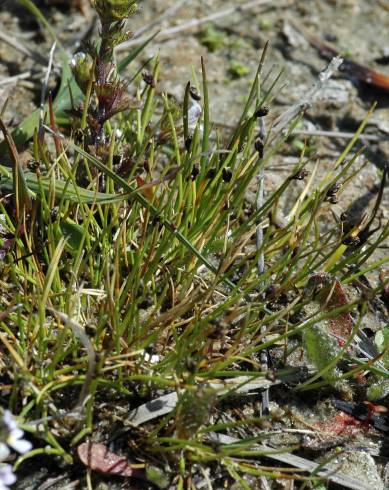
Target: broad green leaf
{"type": "Point", "coordinates": [382, 342]}
{"type": "Point", "coordinates": [322, 350]}
{"type": "Point", "coordinates": [73, 232]}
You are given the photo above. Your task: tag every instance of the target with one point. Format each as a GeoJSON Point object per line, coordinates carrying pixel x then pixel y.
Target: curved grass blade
{"type": "Point", "coordinates": [131, 56]}
{"type": "Point", "coordinates": [74, 193]}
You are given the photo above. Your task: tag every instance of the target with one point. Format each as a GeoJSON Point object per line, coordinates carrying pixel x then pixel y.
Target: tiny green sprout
{"type": "Point", "coordinates": [240, 44]}
{"type": "Point", "coordinates": [238, 69]}
{"type": "Point", "coordinates": [378, 390]}
{"type": "Point", "coordinates": [212, 38]}
{"type": "Point", "coordinates": [348, 53]}
{"type": "Point", "coordinates": [157, 476]}
{"type": "Point", "coordinates": [265, 24]}
{"type": "Point", "coordinates": [299, 145]}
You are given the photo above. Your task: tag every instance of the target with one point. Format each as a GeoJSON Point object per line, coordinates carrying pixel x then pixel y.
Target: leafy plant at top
{"type": "Point", "coordinates": [69, 92]}
{"type": "Point", "coordinates": [96, 73]}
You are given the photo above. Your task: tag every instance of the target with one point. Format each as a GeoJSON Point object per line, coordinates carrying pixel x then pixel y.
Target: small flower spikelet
{"type": "Point", "coordinates": [114, 10]}
{"type": "Point", "coordinates": [82, 67]}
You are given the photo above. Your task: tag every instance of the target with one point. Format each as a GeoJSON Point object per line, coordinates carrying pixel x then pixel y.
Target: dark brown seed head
{"type": "Point", "coordinates": [148, 79]}
{"type": "Point", "coordinates": [334, 189]}
{"type": "Point", "coordinates": [194, 93]}
{"type": "Point", "coordinates": [195, 171]}
{"type": "Point", "coordinates": [54, 213]}
{"type": "Point", "coordinates": [262, 111]}
{"type": "Point", "coordinates": [188, 142]}
{"type": "Point", "coordinates": [352, 241]}
{"type": "Point", "coordinates": [227, 174]}
{"type": "Point", "coordinates": [344, 216]}
{"type": "Point", "coordinates": [332, 199]}
{"type": "Point", "coordinates": [300, 175]}
{"type": "Point", "coordinates": [259, 146]}
{"type": "Point", "coordinates": [33, 165]}
{"type": "Point", "coordinates": [211, 173]}
{"type": "Point", "coordinates": [117, 159]}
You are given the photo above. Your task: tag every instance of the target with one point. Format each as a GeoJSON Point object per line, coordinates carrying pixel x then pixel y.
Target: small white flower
{"type": "Point", "coordinates": [118, 133]}
{"type": "Point", "coordinates": [194, 114]}
{"type": "Point", "coordinates": [14, 435]}
{"type": "Point", "coordinates": [6, 476]}
{"type": "Point", "coordinates": [16, 441]}
{"type": "Point", "coordinates": [3, 223]}
{"type": "Point", "coordinates": [4, 451]}
{"type": "Point", "coordinates": [9, 421]}
{"type": "Point", "coordinates": [152, 359]}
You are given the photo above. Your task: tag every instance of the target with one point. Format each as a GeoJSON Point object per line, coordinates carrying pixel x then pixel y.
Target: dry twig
{"type": "Point", "coordinates": [171, 31]}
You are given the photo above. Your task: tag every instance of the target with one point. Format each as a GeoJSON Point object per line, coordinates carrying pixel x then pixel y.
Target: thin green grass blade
{"type": "Point", "coordinates": [153, 210]}
{"type": "Point", "coordinates": [131, 56]}
{"type": "Point", "coordinates": [205, 142]}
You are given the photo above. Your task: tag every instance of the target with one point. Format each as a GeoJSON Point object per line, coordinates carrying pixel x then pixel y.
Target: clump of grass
{"type": "Point", "coordinates": [130, 264]}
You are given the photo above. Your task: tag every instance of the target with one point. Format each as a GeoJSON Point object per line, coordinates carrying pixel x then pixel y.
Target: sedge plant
{"type": "Point", "coordinates": [130, 265]}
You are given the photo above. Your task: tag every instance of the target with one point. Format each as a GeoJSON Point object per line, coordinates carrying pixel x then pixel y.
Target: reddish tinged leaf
{"type": "Point", "coordinates": [375, 408]}
{"type": "Point", "coordinates": [342, 424]}
{"type": "Point", "coordinates": [367, 413]}
{"type": "Point", "coordinates": [330, 293]}
{"type": "Point", "coordinates": [98, 458]}
{"type": "Point", "coordinates": [147, 192]}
